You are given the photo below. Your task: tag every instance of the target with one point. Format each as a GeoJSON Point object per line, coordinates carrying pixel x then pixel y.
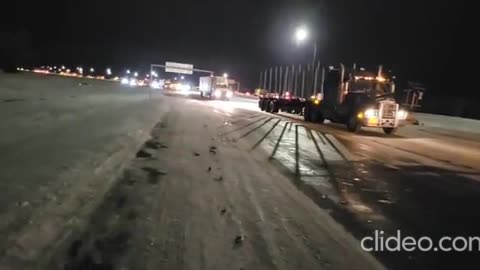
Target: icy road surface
{"type": "Point", "coordinates": [99, 176]}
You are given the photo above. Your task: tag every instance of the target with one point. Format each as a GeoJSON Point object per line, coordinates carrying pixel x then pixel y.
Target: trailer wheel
{"type": "Point", "coordinates": [389, 131]}
{"type": "Point", "coordinates": [266, 105]}
{"type": "Point", "coordinates": [353, 125]}
{"type": "Point", "coordinates": [273, 107]}
{"type": "Point", "coordinates": [261, 105]}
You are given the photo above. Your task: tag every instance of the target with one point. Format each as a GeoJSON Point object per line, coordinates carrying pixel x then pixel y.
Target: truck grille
{"type": "Point", "coordinates": [389, 110]}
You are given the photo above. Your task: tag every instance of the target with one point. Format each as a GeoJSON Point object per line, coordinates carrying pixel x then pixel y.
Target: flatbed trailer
{"type": "Point", "coordinates": [285, 103]}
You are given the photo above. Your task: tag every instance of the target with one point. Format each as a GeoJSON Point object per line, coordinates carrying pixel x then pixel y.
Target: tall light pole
{"type": "Point", "coordinates": [301, 35]}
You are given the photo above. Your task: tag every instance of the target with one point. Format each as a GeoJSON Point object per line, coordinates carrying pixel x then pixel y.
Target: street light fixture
{"type": "Point", "coordinates": [301, 34]}
{"type": "Point", "coordinates": [225, 75]}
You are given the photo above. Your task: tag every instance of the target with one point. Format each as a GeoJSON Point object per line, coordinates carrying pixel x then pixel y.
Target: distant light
{"type": "Point", "coordinates": [68, 70]}
{"type": "Point", "coordinates": [124, 81]}
{"type": "Point", "coordinates": [301, 34]}
{"type": "Point", "coordinates": [183, 77]}
{"type": "Point", "coordinates": [109, 71]}
{"type": "Point", "coordinates": [135, 74]}
{"type": "Point", "coordinates": [175, 78]}
{"type": "Point", "coordinates": [147, 75]}
{"type": "Point", "coordinates": [225, 75]}
{"type": "Point", "coordinates": [63, 67]}
{"type": "Point", "coordinates": [92, 70]}
{"type": "Point", "coordinates": [155, 85]}
{"type": "Point", "coordinates": [133, 82]}
{"type": "Point", "coordinates": [184, 87]}
{"type": "Point", "coordinates": [381, 79]}
{"type": "Point", "coordinates": [128, 71]}
{"type": "Point", "coordinates": [55, 67]}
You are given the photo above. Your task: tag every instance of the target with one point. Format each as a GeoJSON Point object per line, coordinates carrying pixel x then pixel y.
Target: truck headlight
{"type": "Point", "coordinates": [370, 113]}
{"type": "Point", "coordinates": [218, 93]}
{"type": "Point", "coordinates": [229, 94]}
{"type": "Point", "coordinates": [402, 115]}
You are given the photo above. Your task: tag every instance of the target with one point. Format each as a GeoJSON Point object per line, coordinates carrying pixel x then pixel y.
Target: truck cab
{"type": "Point", "coordinates": [363, 99]}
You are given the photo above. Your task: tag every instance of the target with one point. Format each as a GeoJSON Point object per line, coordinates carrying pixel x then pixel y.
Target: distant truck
{"type": "Point", "coordinates": [215, 87]}
{"type": "Point", "coordinates": [359, 99]}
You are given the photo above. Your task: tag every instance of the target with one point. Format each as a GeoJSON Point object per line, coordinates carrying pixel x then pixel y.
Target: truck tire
{"type": "Point", "coordinates": [307, 113]}
{"type": "Point", "coordinates": [317, 117]}
{"type": "Point", "coordinates": [389, 131]}
{"type": "Point", "coordinates": [266, 105]}
{"type": "Point", "coordinates": [353, 125]}
{"type": "Point", "coordinates": [273, 107]}
{"type": "Point", "coordinates": [261, 105]}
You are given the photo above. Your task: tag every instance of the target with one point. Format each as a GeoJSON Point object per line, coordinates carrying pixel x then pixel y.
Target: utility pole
{"type": "Point", "coordinates": [280, 81]}
{"type": "Point", "coordinates": [260, 83]}
{"type": "Point", "coordinates": [275, 80]}
{"type": "Point", "coordinates": [296, 78]}
{"type": "Point", "coordinates": [303, 84]}
{"type": "Point", "coordinates": [322, 81]}
{"type": "Point", "coordinates": [270, 81]}
{"type": "Point", "coordinates": [292, 78]}
{"type": "Point", "coordinates": [315, 79]}
{"type": "Point", "coordinates": [265, 79]}
{"type": "Point", "coordinates": [285, 80]}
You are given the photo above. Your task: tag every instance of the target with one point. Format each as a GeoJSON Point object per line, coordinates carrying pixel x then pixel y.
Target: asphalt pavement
{"type": "Point", "coordinates": [96, 175]}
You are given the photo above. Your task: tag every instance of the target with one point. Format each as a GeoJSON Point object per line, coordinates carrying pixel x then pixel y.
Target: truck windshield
{"type": "Point", "coordinates": [372, 87]}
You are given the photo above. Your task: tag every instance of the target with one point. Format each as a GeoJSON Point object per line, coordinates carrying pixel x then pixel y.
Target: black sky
{"type": "Point", "coordinates": [421, 40]}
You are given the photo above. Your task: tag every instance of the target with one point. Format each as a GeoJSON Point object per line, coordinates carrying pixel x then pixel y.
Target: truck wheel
{"type": "Point", "coordinates": [273, 107]}
{"type": "Point", "coordinates": [353, 125]}
{"type": "Point", "coordinates": [307, 114]}
{"type": "Point", "coordinates": [266, 106]}
{"type": "Point", "coordinates": [389, 131]}
{"type": "Point", "coordinates": [317, 117]}
{"type": "Point", "coordinates": [261, 105]}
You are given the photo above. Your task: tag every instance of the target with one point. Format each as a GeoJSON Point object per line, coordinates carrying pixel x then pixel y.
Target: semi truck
{"type": "Point", "coordinates": [215, 87]}
{"type": "Point", "coordinates": [357, 99]}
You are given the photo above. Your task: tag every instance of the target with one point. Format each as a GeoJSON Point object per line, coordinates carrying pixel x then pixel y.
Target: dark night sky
{"type": "Point", "coordinates": [420, 40]}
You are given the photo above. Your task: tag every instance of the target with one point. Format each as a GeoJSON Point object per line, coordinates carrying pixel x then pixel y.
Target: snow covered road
{"type": "Point", "coordinates": [100, 176]}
